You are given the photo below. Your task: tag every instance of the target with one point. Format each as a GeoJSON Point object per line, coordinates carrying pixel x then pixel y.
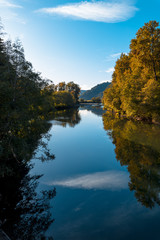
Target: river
{"type": "Point", "coordinates": [106, 175]}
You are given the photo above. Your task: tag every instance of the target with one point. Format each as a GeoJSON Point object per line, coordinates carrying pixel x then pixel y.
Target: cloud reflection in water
{"type": "Point", "coordinates": [108, 180]}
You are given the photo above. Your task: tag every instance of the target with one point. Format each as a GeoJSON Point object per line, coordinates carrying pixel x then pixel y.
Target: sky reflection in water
{"type": "Point", "coordinates": [100, 180]}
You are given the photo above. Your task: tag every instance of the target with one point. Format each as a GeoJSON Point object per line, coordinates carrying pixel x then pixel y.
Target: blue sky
{"type": "Point", "coordinates": [73, 40]}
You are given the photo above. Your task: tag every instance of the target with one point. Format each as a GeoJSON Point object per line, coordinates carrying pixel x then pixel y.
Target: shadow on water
{"type": "Point", "coordinates": [137, 147]}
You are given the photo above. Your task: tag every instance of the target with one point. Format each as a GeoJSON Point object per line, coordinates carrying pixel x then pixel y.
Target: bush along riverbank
{"type": "Point", "coordinates": [135, 89]}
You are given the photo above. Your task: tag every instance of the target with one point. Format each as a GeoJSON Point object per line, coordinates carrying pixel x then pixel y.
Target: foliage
{"type": "Point", "coordinates": [26, 101]}
{"type": "Point", "coordinates": [96, 99]}
{"type": "Point", "coordinates": [71, 88]}
{"type": "Point", "coordinates": [135, 89]}
{"type": "Point", "coordinates": [63, 99]}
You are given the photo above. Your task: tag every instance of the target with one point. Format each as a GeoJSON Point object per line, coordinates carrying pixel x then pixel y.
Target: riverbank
{"type": "Point", "coordinates": [136, 118]}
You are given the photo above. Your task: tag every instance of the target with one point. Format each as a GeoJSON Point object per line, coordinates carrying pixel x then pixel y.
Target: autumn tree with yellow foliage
{"type": "Point", "coordinates": [135, 88]}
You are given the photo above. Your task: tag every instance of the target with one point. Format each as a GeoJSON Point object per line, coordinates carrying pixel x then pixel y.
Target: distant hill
{"type": "Point", "coordinates": [96, 91]}
{"type": "Point", "coordinates": [82, 91]}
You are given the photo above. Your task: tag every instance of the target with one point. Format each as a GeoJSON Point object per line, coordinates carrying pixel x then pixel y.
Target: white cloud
{"type": "Point", "coordinates": [110, 70]}
{"type": "Point", "coordinates": [4, 3]}
{"type": "Point", "coordinates": [115, 55]}
{"type": "Point", "coordinates": [101, 180]}
{"type": "Point", "coordinates": [9, 13]}
{"type": "Point", "coordinates": [100, 11]}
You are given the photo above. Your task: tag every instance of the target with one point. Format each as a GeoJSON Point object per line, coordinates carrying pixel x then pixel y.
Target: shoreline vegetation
{"type": "Point", "coordinates": [26, 99]}
{"type": "Point", "coordinates": [27, 102]}
{"type": "Point", "coordinates": [135, 89]}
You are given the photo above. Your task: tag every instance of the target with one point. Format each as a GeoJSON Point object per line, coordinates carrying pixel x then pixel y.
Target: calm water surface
{"type": "Point", "coordinates": [107, 178]}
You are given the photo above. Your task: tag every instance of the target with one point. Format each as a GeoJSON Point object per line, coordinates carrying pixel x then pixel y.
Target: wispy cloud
{"type": "Point", "coordinates": [100, 11]}
{"type": "Point", "coordinates": [8, 4]}
{"type": "Point", "coordinates": [115, 55]}
{"type": "Point", "coordinates": [112, 180]}
{"type": "Point", "coordinates": [110, 70]}
{"type": "Point", "coordinates": [9, 12]}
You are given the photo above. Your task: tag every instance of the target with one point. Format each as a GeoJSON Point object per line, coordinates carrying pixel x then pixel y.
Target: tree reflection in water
{"type": "Point", "coordinates": [24, 213]}
{"type": "Point", "coordinates": [137, 147]}
{"type": "Point", "coordinates": [69, 116]}
{"type": "Point", "coordinates": [96, 108]}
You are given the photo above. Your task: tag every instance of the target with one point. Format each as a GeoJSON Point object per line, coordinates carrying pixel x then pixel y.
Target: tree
{"type": "Point", "coordinates": [146, 48]}
{"type": "Point", "coordinates": [96, 99]}
{"type": "Point", "coordinates": [135, 89]}
{"type": "Point", "coordinates": [74, 89]}
{"type": "Point", "coordinates": [61, 86]}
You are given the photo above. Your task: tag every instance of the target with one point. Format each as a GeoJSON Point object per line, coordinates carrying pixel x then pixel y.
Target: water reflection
{"type": "Point", "coordinates": [138, 148]}
{"type": "Point", "coordinates": [85, 162]}
{"type": "Point", "coordinates": [25, 213]}
{"type": "Point", "coordinates": [109, 180]}
{"type": "Point", "coordinates": [96, 109]}
{"type": "Point", "coordinates": [69, 117]}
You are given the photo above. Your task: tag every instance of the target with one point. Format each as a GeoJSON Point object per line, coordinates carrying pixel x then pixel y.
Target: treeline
{"type": "Point", "coordinates": [24, 105]}
{"type": "Point", "coordinates": [135, 88]}
{"type": "Point", "coordinates": [26, 100]}
{"type": "Point", "coordinates": [93, 100]}
{"type": "Point", "coordinates": [61, 95]}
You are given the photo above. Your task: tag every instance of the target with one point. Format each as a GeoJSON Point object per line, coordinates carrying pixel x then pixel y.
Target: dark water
{"type": "Point", "coordinates": [107, 178]}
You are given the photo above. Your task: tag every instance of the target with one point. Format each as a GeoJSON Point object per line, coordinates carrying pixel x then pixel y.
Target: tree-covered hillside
{"type": "Point", "coordinates": [96, 91]}
{"type": "Point", "coordinates": [135, 88]}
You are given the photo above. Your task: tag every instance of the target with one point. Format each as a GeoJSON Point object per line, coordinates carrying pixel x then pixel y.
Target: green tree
{"type": "Point", "coordinates": [61, 86]}
{"type": "Point", "coordinates": [74, 89]}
